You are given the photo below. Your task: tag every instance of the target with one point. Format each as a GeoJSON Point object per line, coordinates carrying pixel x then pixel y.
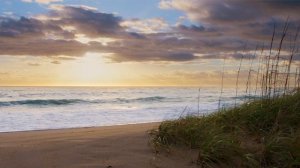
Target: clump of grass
{"type": "Point", "coordinates": [261, 133]}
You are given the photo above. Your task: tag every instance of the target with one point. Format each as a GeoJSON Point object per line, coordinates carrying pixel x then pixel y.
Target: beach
{"type": "Point", "coordinates": [124, 146]}
{"type": "Point", "coordinates": [69, 127]}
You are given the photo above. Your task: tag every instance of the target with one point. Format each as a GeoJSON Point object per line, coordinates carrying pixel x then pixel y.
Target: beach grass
{"type": "Point", "coordinates": [261, 133]}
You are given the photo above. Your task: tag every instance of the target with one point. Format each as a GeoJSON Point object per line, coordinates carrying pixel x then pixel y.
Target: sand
{"type": "Point", "coordinates": [100, 147]}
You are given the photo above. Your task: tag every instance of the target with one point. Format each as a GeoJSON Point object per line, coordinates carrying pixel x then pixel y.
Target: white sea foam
{"type": "Point", "coordinates": [29, 108]}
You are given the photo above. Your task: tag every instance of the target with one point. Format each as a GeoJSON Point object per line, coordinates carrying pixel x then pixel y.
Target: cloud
{"type": "Point", "coordinates": [230, 11]}
{"type": "Point", "coordinates": [194, 28]}
{"type": "Point", "coordinates": [216, 32]}
{"type": "Point", "coordinates": [154, 25]}
{"type": "Point", "coordinates": [42, 1]}
{"type": "Point", "coordinates": [49, 37]}
{"type": "Point", "coordinates": [152, 56]}
{"type": "Point", "coordinates": [239, 18]}
{"type": "Point", "coordinates": [55, 34]}
{"type": "Point", "coordinates": [234, 23]}
{"type": "Point", "coordinates": [55, 62]}
{"type": "Point", "coordinates": [23, 26]}
{"type": "Point", "coordinates": [229, 55]}
{"type": "Point", "coordinates": [30, 28]}
{"type": "Point", "coordinates": [42, 47]}
{"type": "Point", "coordinates": [142, 50]}
{"type": "Point", "coordinates": [87, 21]}
{"type": "Point", "coordinates": [28, 1]}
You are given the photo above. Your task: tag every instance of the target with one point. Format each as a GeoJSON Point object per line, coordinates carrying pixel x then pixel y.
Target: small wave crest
{"type": "Point", "coordinates": [42, 102]}
{"type": "Point", "coordinates": [243, 97]}
{"type": "Point", "coordinates": [155, 98]}
{"type": "Point", "coordinates": [142, 99]}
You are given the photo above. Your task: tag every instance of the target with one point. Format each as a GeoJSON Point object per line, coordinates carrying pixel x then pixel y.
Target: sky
{"type": "Point", "coordinates": [137, 43]}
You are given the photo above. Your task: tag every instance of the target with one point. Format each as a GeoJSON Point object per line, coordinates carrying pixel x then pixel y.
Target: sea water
{"type": "Point", "coordinates": [40, 108]}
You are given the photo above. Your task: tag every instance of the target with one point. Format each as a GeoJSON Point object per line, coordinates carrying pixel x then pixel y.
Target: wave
{"type": "Point", "coordinates": [244, 97]}
{"type": "Point", "coordinates": [42, 102]}
{"type": "Point", "coordinates": [60, 102]}
{"type": "Point", "coordinates": [155, 98]}
{"type": "Point", "coordinates": [142, 99]}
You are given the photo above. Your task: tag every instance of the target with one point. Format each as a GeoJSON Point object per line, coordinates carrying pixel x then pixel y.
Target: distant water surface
{"type": "Point", "coordinates": [39, 108]}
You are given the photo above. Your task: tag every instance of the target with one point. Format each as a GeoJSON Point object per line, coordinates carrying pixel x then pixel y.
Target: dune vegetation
{"type": "Point", "coordinates": [261, 133]}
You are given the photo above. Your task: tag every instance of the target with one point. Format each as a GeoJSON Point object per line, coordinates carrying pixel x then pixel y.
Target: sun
{"type": "Point", "coordinates": [89, 69]}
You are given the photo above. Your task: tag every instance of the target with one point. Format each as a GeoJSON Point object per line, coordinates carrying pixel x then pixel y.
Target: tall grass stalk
{"type": "Point", "coordinates": [199, 91]}
{"type": "Point", "coordinates": [238, 75]}
{"type": "Point", "coordinates": [222, 85]}
{"type": "Point", "coordinates": [259, 67]}
{"type": "Point", "coordinates": [293, 49]}
{"type": "Point", "coordinates": [277, 58]}
{"type": "Point", "coordinates": [267, 75]}
{"type": "Point", "coordinates": [248, 84]}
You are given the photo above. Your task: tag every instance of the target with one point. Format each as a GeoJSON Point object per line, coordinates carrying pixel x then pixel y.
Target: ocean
{"type": "Point", "coordinates": [41, 108]}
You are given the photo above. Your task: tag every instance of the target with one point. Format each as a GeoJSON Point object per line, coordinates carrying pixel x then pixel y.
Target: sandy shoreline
{"type": "Point", "coordinates": [117, 146]}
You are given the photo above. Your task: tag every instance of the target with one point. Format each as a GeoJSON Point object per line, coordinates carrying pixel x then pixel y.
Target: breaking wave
{"type": "Point", "coordinates": [61, 102]}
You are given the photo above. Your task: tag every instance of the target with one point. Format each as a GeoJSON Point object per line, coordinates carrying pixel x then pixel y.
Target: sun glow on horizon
{"type": "Point", "coordinates": [96, 70]}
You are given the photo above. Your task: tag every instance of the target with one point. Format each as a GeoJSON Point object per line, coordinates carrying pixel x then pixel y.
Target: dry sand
{"type": "Point", "coordinates": [116, 146]}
